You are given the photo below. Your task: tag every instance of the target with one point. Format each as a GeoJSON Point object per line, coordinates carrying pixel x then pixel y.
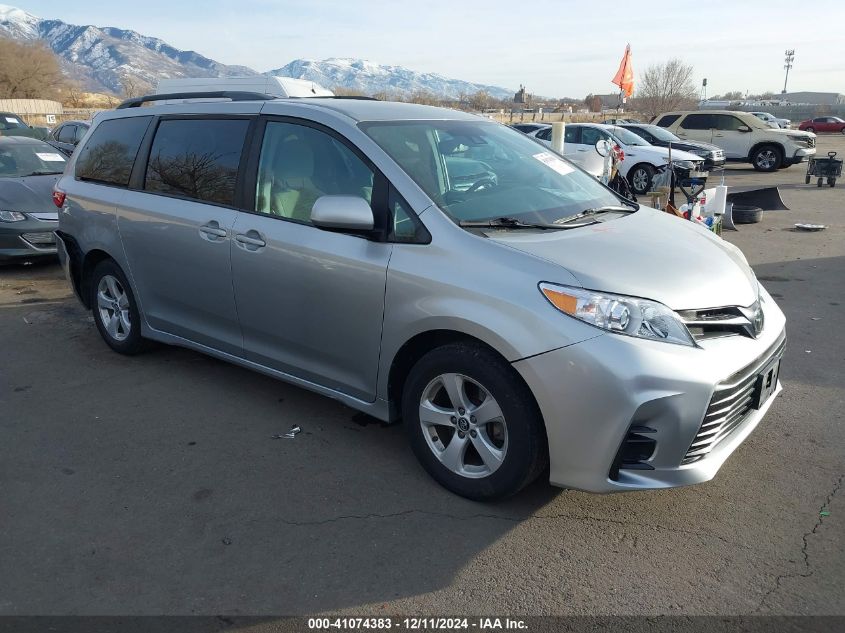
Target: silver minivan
{"type": "Point", "coordinates": [430, 266]}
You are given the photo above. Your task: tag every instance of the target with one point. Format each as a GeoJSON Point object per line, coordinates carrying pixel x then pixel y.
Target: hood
{"type": "Point", "coordinates": [32, 194]}
{"type": "Point", "coordinates": [656, 150]}
{"type": "Point", "coordinates": [647, 254]}
{"type": "Point", "coordinates": [800, 133]}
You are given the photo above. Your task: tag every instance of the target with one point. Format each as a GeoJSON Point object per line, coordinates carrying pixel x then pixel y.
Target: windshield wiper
{"type": "Point", "coordinates": [508, 223]}
{"type": "Point", "coordinates": [598, 210]}
{"type": "Point", "coordinates": [42, 173]}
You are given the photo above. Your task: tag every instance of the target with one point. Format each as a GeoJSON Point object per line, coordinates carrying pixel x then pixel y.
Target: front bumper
{"type": "Point", "coordinates": [29, 239]}
{"type": "Point", "coordinates": [594, 393]}
{"type": "Point", "coordinates": [803, 155]}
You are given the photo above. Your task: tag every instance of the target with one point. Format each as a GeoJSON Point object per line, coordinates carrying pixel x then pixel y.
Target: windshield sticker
{"type": "Point", "coordinates": [11, 119]}
{"type": "Point", "coordinates": [50, 158]}
{"type": "Point", "coordinates": [552, 161]}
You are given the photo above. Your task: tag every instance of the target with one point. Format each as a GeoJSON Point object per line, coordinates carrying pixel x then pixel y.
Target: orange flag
{"type": "Point", "coordinates": [624, 77]}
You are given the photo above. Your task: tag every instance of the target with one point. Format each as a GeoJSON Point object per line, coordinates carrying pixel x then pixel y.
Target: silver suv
{"type": "Point", "coordinates": [428, 265]}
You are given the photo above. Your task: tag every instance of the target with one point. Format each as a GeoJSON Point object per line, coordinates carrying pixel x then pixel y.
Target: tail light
{"type": "Point", "coordinates": [58, 197]}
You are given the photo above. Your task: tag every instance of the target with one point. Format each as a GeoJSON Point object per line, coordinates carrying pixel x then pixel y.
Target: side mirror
{"type": "Point", "coordinates": [342, 213]}
{"type": "Point", "coordinates": [603, 147]}
{"type": "Point", "coordinates": [743, 128]}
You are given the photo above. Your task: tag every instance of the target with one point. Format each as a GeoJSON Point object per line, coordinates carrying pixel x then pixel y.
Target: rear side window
{"type": "Point", "coordinates": [197, 159]}
{"type": "Point", "coordinates": [727, 122]}
{"type": "Point", "coordinates": [544, 135]}
{"type": "Point", "coordinates": [109, 154]}
{"type": "Point", "coordinates": [67, 134]}
{"type": "Point", "coordinates": [668, 120]}
{"type": "Point", "coordinates": [698, 122]}
{"type": "Point", "coordinates": [571, 134]}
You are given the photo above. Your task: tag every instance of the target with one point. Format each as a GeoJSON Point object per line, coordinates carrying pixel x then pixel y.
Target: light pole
{"type": "Point", "coordinates": [790, 56]}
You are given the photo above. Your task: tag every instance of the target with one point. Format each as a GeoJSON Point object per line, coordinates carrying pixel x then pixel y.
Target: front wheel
{"type": "Point", "coordinates": [114, 308]}
{"type": "Point", "coordinates": [472, 423]}
{"type": "Point", "coordinates": [812, 130]}
{"type": "Point", "coordinates": [640, 178]}
{"type": "Point", "coordinates": [767, 158]}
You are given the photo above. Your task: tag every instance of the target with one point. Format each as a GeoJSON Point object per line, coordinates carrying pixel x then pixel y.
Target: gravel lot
{"type": "Point", "coordinates": [151, 485]}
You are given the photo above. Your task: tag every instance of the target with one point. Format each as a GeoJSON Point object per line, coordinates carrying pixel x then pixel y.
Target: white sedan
{"type": "Point", "coordinates": [640, 159]}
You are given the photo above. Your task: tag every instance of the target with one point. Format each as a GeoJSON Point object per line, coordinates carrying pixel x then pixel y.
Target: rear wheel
{"type": "Point", "coordinates": [767, 158]}
{"type": "Point", "coordinates": [640, 178]}
{"type": "Point", "coordinates": [472, 423]}
{"type": "Point", "coordinates": [114, 308]}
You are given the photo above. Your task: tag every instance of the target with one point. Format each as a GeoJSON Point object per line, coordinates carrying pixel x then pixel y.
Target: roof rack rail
{"type": "Point", "coordinates": [353, 97]}
{"type": "Point", "coordinates": [233, 95]}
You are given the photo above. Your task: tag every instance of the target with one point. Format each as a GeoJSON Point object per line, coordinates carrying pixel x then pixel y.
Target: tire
{"type": "Point", "coordinates": [767, 158]}
{"type": "Point", "coordinates": [640, 178]}
{"type": "Point", "coordinates": [812, 130]}
{"type": "Point", "coordinates": [513, 439]}
{"type": "Point", "coordinates": [819, 182]}
{"type": "Point", "coordinates": [744, 214]}
{"type": "Point", "coordinates": [806, 180]}
{"type": "Point", "coordinates": [831, 182]}
{"type": "Point", "coordinates": [115, 309]}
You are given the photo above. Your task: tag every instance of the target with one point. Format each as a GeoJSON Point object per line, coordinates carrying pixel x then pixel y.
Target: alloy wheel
{"type": "Point", "coordinates": [767, 159]}
{"type": "Point", "coordinates": [463, 425]}
{"type": "Point", "coordinates": [640, 180]}
{"type": "Point", "coordinates": [113, 307]}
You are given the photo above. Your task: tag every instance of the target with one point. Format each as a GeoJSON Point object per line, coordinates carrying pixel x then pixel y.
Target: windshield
{"type": "Point", "coordinates": [28, 159]}
{"type": "Point", "coordinates": [627, 137]}
{"type": "Point", "coordinates": [11, 122]}
{"type": "Point", "coordinates": [661, 134]}
{"type": "Point", "coordinates": [478, 171]}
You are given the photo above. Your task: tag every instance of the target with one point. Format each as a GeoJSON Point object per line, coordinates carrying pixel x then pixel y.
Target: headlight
{"type": "Point", "coordinates": [11, 216]}
{"type": "Point", "coordinates": [640, 318]}
{"type": "Point", "coordinates": [704, 153]}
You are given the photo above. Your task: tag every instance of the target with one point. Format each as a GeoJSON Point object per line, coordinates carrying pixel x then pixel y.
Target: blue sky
{"type": "Point", "coordinates": [555, 48]}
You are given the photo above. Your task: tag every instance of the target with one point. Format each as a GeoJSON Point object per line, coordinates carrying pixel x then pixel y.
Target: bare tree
{"type": "Point", "coordinates": [665, 87]}
{"type": "Point", "coordinates": [343, 91]}
{"type": "Point", "coordinates": [423, 97]}
{"type": "Point", "coordinates": [593, 102]}
{"type": "Point", "coordinates": [73, 96]}
{"type": "Point", "coordinates": [29, 71]}
{"type": "Point", "coordinates": [133, 86]}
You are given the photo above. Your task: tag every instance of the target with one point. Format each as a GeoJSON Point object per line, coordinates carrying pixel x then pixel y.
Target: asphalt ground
{"type": "Point", "coordinates": [152, 485]}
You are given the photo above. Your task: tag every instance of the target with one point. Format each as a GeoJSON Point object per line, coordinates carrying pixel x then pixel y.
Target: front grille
{"type": "Point", "coordinates": [718, 322]}
{"type": "Point", "coordinates": [731, 403]}
{"type": "Point", "coordinates": [811, 142]}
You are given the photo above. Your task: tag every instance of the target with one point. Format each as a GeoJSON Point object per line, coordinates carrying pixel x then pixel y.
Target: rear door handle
{"type": "Point", "coordinates": [212, 231]}
{"type": "Point", "coordinates": [255, 240]}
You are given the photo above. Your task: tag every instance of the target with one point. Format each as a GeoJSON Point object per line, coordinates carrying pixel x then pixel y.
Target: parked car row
{"type": "Point", "coordinates": [639, 158]}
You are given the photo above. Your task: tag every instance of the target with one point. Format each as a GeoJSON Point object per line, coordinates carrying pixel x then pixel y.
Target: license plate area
{"type": "Point", "coordinates": [766, 383]}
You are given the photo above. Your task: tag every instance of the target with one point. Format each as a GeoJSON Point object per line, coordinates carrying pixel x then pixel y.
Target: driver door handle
{"type": "Point", "coordinates": [213, 230]}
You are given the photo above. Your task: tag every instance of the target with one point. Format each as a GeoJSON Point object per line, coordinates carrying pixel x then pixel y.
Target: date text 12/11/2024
{"type": "Point", "coordinates": [417, 624]}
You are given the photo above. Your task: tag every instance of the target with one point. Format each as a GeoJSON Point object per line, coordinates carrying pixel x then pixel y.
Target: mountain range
{"type": "Point", "coordinates": [104, 59]}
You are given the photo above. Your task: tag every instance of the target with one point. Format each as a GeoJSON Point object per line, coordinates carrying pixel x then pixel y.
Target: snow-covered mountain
{"type": "Point", "coordinates": [370, 78]}
{"type": "Point", "coordinates": [100, 57]}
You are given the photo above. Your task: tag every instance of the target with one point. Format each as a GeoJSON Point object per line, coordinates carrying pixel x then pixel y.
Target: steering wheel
{"type": "Point", "coordinates": [484, 183]}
